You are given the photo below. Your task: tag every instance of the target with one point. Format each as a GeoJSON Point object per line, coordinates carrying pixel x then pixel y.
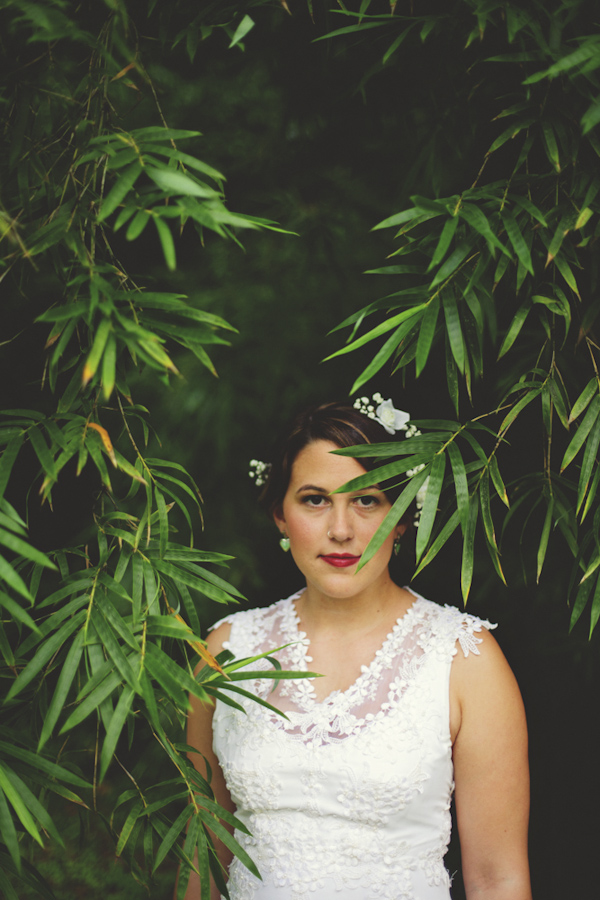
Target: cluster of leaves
{"type": "Point", "coordinates": [109, 629]}
{"type": "Point", "coordinates": [505, 270]}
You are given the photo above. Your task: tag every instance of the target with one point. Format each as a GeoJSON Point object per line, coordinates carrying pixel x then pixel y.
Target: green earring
{"type": "Point", "coordinates": [284, 543]}
{"type": "Point", "coordinates": [397, 546]}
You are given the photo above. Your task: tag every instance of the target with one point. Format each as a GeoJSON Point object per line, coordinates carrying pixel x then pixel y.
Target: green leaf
{"type": "Point", "coordinates": [517, 240]}
{"type": "Point", "coordinates": [120, 189]}
{"type": "Point", "coordinates": [543, 546]}
{"type": "Point", "coordinates": [551, 145]}
{"type": "Point", "coordinates": [466, 575]}
{"type": "Point", "coordinates": [65, 680]}
{"type": "Point", "coordinates": [518, 408]}
{"type": "Point", "coordinates": [581, 434]}
{"type": "Point", "coordinates": [95, 355]}
{"type": "Point", "coordinates": [17, 545]}
{"type": "Point", "coordinates": [460, 483]}
{"type": "Point", "coordinates": [45, 653]}
{"type": "Point", "coordinates": [16, 801]}
{"type": "Point", "coordinates": [8, 458]}
{"type": "Point", "coordinates": [50, 769]}
{"type": "Point", "coordinates": [427, 333]}
{"type": "Point", "coordinates": [448, 232]}
{"type": "Point", "coordinates": [430, 507]}
{"type": "Point", "coordinates": [584, 398]}
{"type": "Point", "coordinates": [177, 183]}
{"type": "Point", "coordinates": [242, 30]}
{"type": "Point", "coordinates": [454, 329]}
{"type": "Point", "coordinates": [591, 117]}
{"type": "Point", "coordinates": [93, 701]}
{"type": "Point", "coordinates": [393, 516]}
{"type": "Point", "coordinates": [587, 465]}
{"type": "Point", "coordinates": [451, 264]}
{"type": "Point", "coordinates": [166, 240]}
{"type": "Point", "coordinates": [382, 355]}
{"type": "Point", "coordinates": [515, 327]}
{"type": "Point", "coordinates": [9, 832]}
{"type": "Point", "coordinates": [376, 332]}
{"type": "Point", "coordinates": [497, 481]}
{"type": "Point", "coordinates": [115, 728]}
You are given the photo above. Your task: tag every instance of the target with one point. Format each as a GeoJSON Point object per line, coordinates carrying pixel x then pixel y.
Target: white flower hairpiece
{"type": "Point", "coordinates": [259, 471]}
{"type": "Point", "coordinates": [394, 420]}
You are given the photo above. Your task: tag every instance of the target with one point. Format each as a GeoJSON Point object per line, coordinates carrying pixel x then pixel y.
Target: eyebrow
{"type": "Point", "coordinates": [312, 487]}
{"type": "Point", "coordinates": [320, 490]}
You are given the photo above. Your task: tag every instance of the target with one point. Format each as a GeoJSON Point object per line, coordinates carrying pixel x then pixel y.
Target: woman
{"type": "Point", "coordinates": [349, 796]}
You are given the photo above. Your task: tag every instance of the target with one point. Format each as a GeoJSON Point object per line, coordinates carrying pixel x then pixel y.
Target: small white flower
{"type": "Point", "coordinates": [421, 493]}
{"type": "Point", "coordinates": [391, 418]}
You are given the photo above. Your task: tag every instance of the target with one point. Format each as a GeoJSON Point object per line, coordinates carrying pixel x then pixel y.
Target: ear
{"type": "Point", "coordinates": [278, 518]}
{"type": "Point", "coordinates": [401, 528]}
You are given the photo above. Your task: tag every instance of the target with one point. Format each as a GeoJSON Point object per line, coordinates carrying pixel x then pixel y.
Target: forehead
{"type": "Point", "coordinates": [317, 466]}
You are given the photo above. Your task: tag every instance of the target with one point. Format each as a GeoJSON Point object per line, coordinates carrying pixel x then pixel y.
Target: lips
{"type": "Point", "coordinates": [340, 560]}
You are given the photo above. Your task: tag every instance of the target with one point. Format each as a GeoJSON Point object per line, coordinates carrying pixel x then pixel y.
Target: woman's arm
{"type": "Point", "coordinates": [199, 735]}
{"type": "Point", "coordinates": [492, 776]}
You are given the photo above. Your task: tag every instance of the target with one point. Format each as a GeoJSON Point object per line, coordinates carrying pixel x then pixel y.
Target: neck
{"type": "Point", "coordinates": [362, 612]}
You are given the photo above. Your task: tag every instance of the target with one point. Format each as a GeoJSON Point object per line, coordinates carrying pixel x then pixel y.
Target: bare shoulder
{"type": "Point", "coordinates": [218, 637]}
{"type": "Point", "coordinates": [482, 673]}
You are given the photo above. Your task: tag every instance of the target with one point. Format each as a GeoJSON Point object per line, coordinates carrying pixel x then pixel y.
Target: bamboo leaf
{"type": "Point", "coordinates": [517, 240]}
{"type": "Point", "coordinates": [427, 332]}
{"type": "Point", "coordinates": [451, 264]}
{"type": "Point", "coordinates": [543, 546]}
{"type": "Point", "coordinates": [63, 685]}
{"type": "Point", "coordinates": [430, 506]}
{"type": "Point", "coordinates": [466, 575]}
{"type": "Point", "coordinates": [518, 408]}
{"type": "Point", "coordinates": [376, 332]}
{"type": "Point", "coordinates": [460, 483]}
{"type": "Point", "coordinates": [8, 458]}
{"type": "Point", "coordinates": [45, 653]}
{"type": "Point", "coordinates": [93, 701]}
{"type": "Point", "coordinates": [393, 516]}
{"type": "Point", "coordinates": [166, 241]}
{"type": "Point", "coordinates": [589, 458]}
{"type": "Point", "coordinates": [120, 189]}
{"type": "Point", "coordinates": [497, 481]}
{"type": "Point", "coordinates": [16, 801]}
{"type": "Point", "coordinates": [581, 434]}
{"type": "Point", "coordinates": [115, 728]}
{"type": "Point", "coordinates": [515, 327]}
{"type": "Point", "coordinates": [9, 832]}
{"type": "Point", "coordinates": [454, 329]}
{"type": "Point", "coordinates": [551, 145]}
{"type": "Point", "coordinates": [448, 232]}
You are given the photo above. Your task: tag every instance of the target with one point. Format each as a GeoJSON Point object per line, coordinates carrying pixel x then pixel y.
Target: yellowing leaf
{"type": "Point", "coordinates": [105, 437]}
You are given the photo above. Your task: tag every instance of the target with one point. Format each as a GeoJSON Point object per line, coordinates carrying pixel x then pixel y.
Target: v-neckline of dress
{"type": "Point", "coordinates": [301, 647]}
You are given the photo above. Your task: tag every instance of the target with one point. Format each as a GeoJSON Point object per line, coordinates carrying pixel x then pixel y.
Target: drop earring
{"type": "Point", "coordinates": [284, 543]}
{"type": "Point", "coordinates": [397, 543]}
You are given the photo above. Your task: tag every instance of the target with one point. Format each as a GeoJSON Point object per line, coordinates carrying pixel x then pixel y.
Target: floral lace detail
{"type": "Point", "coordinates": [348, 797]}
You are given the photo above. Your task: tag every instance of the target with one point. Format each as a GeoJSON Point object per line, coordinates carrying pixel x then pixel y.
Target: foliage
{"type": "Point", "coordinates": [500, 279]}
{"type": "Point", "coordinates": [109, 629]}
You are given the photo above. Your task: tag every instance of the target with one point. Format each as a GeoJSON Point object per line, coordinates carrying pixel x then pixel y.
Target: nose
{"type": "Point", "coordinates": [340, 525]}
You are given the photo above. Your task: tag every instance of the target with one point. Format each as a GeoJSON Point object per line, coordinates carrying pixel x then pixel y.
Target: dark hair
{"type": "Point", "coordinates": [339, 423]}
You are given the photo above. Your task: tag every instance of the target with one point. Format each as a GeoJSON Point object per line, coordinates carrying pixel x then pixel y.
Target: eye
{"type": "Point", "coordinates": [367, 501]}
{"type": "Point", "coordinates": [314, 500]}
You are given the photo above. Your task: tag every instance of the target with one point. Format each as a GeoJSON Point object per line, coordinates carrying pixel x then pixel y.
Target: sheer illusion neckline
{"type": "Point", "coordinates": [290, 627]}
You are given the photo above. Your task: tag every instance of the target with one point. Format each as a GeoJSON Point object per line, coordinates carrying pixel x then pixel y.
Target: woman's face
{"type": "Point", "coordinates": [329, 532]}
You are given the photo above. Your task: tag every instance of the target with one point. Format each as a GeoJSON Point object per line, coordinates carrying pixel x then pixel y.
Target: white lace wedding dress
{"type": "Point", "coordinates": [349, 798]}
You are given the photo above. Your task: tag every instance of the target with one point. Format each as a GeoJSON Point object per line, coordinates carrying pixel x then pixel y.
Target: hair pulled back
{"type": "Point", "coordinates": [339, 423]}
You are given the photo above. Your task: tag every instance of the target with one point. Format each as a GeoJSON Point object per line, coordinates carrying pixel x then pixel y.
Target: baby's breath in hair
{"type": "Point", "coordinates": [259, 471]}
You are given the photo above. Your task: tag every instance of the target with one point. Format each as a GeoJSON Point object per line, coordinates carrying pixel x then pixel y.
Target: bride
{"type": "Point", "coordinates": [349, 796]}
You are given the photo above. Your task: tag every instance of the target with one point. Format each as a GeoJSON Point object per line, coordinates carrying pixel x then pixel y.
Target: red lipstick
{"type": "Point", "coordinates": [340, 560]}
